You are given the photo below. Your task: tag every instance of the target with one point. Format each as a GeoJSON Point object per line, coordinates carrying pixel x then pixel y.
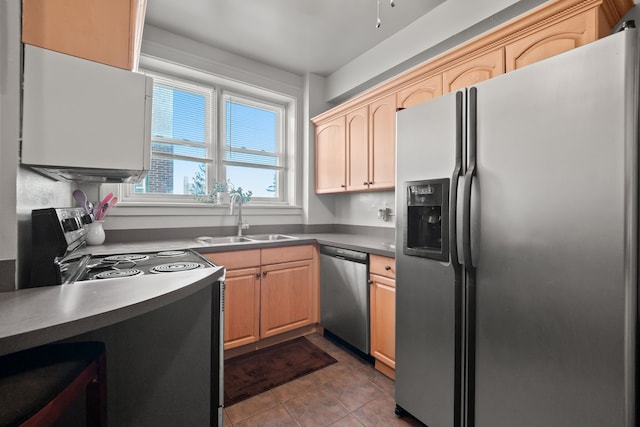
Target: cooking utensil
{"type": "Point", "coordinates": [102, 205]}
{"type": "Point", "coordinates": [106, 199]}
{"type": "Point", "coordinates": [106, 208]}
{"type": "Point", "coordinates": [82, 200]}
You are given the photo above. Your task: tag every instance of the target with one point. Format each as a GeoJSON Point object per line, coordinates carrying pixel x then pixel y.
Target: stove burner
{"type": "Point", "coordinates": [175, 266]}
{"type": "Point", "coordinates": [126, 257]}
{"type": "Point", "coordinates": [171, 254]}
{"type": "Point", "coordinates": [112, 274]}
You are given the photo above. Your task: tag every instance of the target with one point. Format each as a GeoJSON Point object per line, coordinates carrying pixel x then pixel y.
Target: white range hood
{"type": "Point", "coordinates": [84, 121]}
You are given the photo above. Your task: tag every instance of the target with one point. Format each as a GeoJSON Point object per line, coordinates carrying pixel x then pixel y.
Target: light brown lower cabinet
{"type": "Point", "coordinates": [286, 297]}
{"type": "Point", "coordinates": [268, 292]}
{"type": "Point", "coordinates": [242, 305]}
{"type": "Point", "coordinates": [382, 295]}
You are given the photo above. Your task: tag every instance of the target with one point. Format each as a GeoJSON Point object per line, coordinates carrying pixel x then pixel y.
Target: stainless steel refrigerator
{"type": "Point", "coordinates": [517, 246]}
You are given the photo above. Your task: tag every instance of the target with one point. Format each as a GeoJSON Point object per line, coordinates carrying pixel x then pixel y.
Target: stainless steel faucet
{"type": "Point", "coordinates": [235, 197]}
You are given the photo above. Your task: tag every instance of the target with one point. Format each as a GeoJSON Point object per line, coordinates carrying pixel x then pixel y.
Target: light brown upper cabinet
{"type": "Point", "coordinates": [420, 92]}
{"type": "Point", "coordinates": [474, 71]}
{"type": "Point", "coordinates": [331, 156]}
{"type": "Point", "coordinates": [552, 40]}
{"type": "Point", "coordinates": [358, 149]}
{"type": "Point", "coordinates": [368, 137]}
{"type": "Point", "coordinates": [105, 31]}
{"type": "Point", "coordinates": [547, 30]}
{"type": "Point", "coordinates": [382, 143]}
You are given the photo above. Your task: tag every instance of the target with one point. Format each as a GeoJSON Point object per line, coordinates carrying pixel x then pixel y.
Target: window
{"type": "Point", "coordinates": [200, 138]}
{"type": "Point", "coordinates": [253, 154]}
{"type": "Point", "coordinates": [181, 141]}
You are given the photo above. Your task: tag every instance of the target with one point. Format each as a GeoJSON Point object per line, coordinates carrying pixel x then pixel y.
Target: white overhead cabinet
{"type": "Point", "coordinates": [83, 120]}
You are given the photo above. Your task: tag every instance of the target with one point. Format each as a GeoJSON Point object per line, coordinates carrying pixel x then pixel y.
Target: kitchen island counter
{"type": "Point", "coordinates": [36, 316]}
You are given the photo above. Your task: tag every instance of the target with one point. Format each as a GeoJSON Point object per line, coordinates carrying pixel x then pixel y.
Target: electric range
{"type": "Point", "coordinates": [97, 267]}
{"type": "Point", "coordinates": [58, 237]}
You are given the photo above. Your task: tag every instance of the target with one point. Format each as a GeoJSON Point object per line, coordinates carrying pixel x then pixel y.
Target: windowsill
{"type": "Point", "coordinates": [199, 209]}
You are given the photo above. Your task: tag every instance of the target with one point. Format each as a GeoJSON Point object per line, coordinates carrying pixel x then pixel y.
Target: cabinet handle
{"type": "Point", "coordinates": [343, 185]}
{"type": "Point", "coordinates": [370, 282]}
{"type": "Point", "coordinates": [370, 182]}
{"type": "Point", "coordinates": [257, 275]}
{"type": "Point", "coordinates": [365, 183]}
{"type": "Point", "coordinates": [387, 267]}
{"type": "Point", "coordinates": [264, 274]}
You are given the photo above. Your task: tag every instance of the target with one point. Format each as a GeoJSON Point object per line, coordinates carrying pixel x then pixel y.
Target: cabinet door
{"type": "Point", "coordinates": [383, 319]}
{"type": "Point", "coordinates": [420, 92]}
{"type": "Point", "coordinates": [358, 149]}
{"type": "Point", "coordinates": [558, 38]}
{"type": "Point", "coordinates": [382, 139]}
{"type": "Point", "coordinates": [474, 71]}
{"type": "Point", "coordinates": [242, 307]}
{"type": "Point", "coordinates": [286, 295]}
{"type": "Point", "coordinates": [331, 156]}
{"type": "Point", "coordinates": [106, 31]}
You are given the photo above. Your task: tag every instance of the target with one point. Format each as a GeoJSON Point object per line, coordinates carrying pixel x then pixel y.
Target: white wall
{"type": "Point", "coordinates": [162, 44]}
{"type": "Point", "coordinates": [317, 208]}
{"type": "Point", "coordinates": [9, 123]}
{"type": "Point", "coordinates": [362, 208]}
{"type": "Point", "coordinates": [412, 45]}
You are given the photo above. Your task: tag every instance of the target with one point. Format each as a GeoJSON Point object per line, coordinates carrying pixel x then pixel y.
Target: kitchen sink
{"type": "Point", "coordinates": [243, 239]}
{"type": "Point", "coordinates": [223, 240]}
{"type": "Point", "coordinates": [270, 237]}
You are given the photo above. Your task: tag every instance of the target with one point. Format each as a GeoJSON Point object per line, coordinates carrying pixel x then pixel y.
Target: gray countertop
{"type": "Point", "coordinates": [358, 242]}
{"type": "Point", "coordinates": [31, 317]}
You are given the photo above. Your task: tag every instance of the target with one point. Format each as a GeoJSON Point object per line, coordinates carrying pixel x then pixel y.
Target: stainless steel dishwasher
{"type": "Point", "coordinates": [344, 295]}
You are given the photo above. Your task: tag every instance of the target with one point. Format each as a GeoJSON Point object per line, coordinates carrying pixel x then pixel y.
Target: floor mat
{"type": "Point", "coordinates": [253, 373]}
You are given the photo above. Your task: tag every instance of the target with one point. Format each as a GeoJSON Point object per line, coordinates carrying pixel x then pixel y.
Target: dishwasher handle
{"type": "Point", "coordinates": [345, 254]}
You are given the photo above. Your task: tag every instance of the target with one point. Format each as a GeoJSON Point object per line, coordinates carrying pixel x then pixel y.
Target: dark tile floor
{"type": "Point", "coordinates": [348, 393]}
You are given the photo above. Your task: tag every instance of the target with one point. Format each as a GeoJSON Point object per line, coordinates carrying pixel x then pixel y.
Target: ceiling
{"type": "Point", "coordinates": [317, 36]}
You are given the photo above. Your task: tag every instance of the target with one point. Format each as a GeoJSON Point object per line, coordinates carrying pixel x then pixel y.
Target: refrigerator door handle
{"type": "Point", "coordinates": [455, 179]}
{"type": "Point", "coordinates": [468, 179]}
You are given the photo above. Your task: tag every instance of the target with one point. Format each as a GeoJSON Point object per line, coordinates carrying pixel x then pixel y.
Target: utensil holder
{"type": "Point", "coordinates": [95, 233]}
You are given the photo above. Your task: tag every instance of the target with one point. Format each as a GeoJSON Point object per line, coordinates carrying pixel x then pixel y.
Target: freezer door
{"type": "Point", "coordinates": [427, 290]}
{"type": "Point", "coordinates": [553, 241]}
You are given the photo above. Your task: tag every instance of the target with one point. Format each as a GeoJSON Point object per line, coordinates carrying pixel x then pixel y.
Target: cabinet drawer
{"type": "Point", "coordinates": [382, 266]}
{"type": "Point", "coordinates": [236, 259]}
{"type": "Point", "coordinates": [286, 254]}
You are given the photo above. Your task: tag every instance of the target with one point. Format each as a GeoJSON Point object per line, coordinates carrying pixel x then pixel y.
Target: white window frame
{"type": "Point", "coordinates": [127, 191]}
{"type": "Point", "coordinates": [287, 186]}
{"type": "Point", "coordinates": [281, 153]}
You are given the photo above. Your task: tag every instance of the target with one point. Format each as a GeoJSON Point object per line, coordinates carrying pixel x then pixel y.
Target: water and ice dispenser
{"type": "Point", "coordinates": [426, 232]}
